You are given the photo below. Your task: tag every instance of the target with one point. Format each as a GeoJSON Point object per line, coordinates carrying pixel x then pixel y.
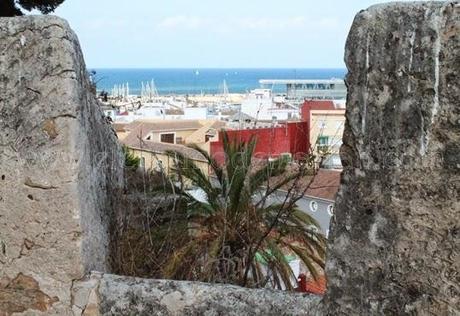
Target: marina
{"type": "Point", "coordinates": [269, 100]}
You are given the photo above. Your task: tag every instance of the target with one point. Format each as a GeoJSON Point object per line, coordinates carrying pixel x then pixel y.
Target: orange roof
{"type": "Point", "coordinates": [325, 185]}
{"type": "Point", "coordinates": [143, 128]}
{"type": "Point", "coordinates": [119, 127]}
{"type": "Point", "coordinates": [167, 125]}
{"type": "Point", "coordinates": [161, 148]}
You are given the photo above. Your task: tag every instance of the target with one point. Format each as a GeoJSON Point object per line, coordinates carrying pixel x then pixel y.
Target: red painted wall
{"type": "Point", "coordinates": [299, 137]}
{"type": "Point", "coordinates": [310, 105]}
{"type": "Point", "coordinates": [270, 142]}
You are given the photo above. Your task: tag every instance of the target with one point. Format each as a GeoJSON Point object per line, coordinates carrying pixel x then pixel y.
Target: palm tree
{"type": "Point", "coordinates": [237, 234]}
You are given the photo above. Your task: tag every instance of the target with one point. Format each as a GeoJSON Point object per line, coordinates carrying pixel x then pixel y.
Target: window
{"type": "Point", "coordinates": [330, 209]}
{"type": "Point", "coordinates": [313, 206]}
{"type": "Point", "coordinates": [286, 156]}
{"type": "Point", "coordinates": [323, 140]}
{"type": "Point", "coordinates": [323, 144]}
{"type": "Point", "coordinates": [167, 138]}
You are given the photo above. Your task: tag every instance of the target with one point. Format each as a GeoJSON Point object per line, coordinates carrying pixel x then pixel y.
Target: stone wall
{"type": "Point", "coordinates": [105, 294]}
{"type": "Point", "coordinates": [59, 164]}
{"type": "Point", "coordinates": [394, 242]}
{"type": "Point", "coordinates": [395, 239]}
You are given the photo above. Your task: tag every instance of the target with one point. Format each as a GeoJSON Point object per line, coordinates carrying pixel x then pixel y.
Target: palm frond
{"type": "Point", "coordinates": [310, 260]}
{"type": "Point", "coordinates": [240, 158]}
{"type": "Point", "coordinates": [269, 170]}
{"type": "Point", "coordinates": [177, 260]}
{"type": "Point", "coordinates": [277, 186]}
{"type": "Point", "coordinates": [230, 235]}
{"type": "Point", "coordinates": [218, 170]}
{"type": "Point", "coordinates": [279, 264]}
{"type": "Point", "coordinates": [304, 218]}
{"type": "Point", "coordinates": [187, 168]}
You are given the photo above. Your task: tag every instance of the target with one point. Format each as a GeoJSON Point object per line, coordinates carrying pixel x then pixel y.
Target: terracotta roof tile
{"type": "Point", "coordinates": [325, 185]}
{"type": "Point", "coordinates": [167, 125]}
{"type": "Point", "coordinates": [161, 148]}
{"type": "Point", "coordinates": [142, 128]}
{"type": "Point", "coordinates": [119, 127]}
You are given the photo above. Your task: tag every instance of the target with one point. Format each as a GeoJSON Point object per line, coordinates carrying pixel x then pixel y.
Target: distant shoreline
{"type": "Point", "coordinates": [206, 68]}
{"type": "Point", "coordinates": [195, 81]}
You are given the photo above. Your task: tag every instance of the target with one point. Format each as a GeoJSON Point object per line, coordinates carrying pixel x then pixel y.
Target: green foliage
{"type": "Point", "coordinates": [140, 219]}
{"type": "Point", "coordinates": [131, 161]}
{"type": "Point", "coordinates": [234, 237]}
{"type": "Point", "coordinates": [13, 7]}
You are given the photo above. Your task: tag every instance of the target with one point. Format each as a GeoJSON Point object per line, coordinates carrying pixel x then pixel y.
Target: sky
{"type": "Point", "coordinates": [212, 34]}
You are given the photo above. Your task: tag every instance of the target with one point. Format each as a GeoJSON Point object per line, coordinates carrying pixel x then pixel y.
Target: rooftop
{"type": "Point", "coordinates": [165, 125]}
{"type": "Point", "coordinates": [324, 104]}
{"type": "Point", "coordinates": [161, 148]}
{"type": "Point", "coordinates": [325, 185]}
{"type": "Point", "coordinates": [142, 128]}
{"type": "Point", "coordinates": [301, 81]}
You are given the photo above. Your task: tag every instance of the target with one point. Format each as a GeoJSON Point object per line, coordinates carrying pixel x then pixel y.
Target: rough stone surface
{"type": "Point", "coordinates": [395, 239]}
{"type": "Point", "coordinates": [59, 162]}
{"type": "Point", "coordinates": [23, 294]}
{"type": "Point", "coordinates": [116, 295]}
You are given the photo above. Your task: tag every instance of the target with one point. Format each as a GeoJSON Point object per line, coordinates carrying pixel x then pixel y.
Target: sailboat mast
{"type": "Point", "coordinates": [225, 92]}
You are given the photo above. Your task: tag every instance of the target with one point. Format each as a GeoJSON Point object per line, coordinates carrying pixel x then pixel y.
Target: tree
{"type": "Point", "coordinates": [237, 234]}
{"type": "Point", "coordinates": [13, 7]}
{"type": "Point", "coordinates": [131, 161]}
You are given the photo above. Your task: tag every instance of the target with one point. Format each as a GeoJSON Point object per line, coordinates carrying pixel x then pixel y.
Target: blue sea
{"type": "Point", "coordinates": [207, 81]}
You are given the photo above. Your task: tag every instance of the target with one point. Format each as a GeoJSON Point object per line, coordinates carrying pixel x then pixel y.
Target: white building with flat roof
{"type": "Point", "coordinates": [260, 105]}
{"type": "Point", "coordinates": [309, 89]}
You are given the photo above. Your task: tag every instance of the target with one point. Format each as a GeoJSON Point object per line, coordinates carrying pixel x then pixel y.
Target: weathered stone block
{"type": "Point", "coordinates": [117, 295]}
{"type": "Point", "coordinates": [395, 239]}
{"type": "Point", "coordinates": [59, 165]}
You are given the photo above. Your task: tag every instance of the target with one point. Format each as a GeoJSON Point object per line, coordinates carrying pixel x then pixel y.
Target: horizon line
{"type": "Point", "coordinates": [198, 68]}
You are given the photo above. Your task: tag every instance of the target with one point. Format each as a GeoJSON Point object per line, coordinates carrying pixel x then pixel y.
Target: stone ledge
{"type": "Point", "coordinates": [106, 294]}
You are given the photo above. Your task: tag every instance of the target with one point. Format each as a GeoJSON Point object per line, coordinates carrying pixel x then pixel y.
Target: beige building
{"type": "Point", "coordinates": [150, 141]}
{"type": "Point", "coordinates": [154, 156]}
{"type": "Point", "coordinates": [326, 121]}
{"type": "Point", "coordinates": [171, 132]}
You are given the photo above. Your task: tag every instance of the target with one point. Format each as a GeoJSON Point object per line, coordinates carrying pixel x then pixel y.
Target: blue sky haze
{"type": "Point", "coordinates": [213, 34]}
